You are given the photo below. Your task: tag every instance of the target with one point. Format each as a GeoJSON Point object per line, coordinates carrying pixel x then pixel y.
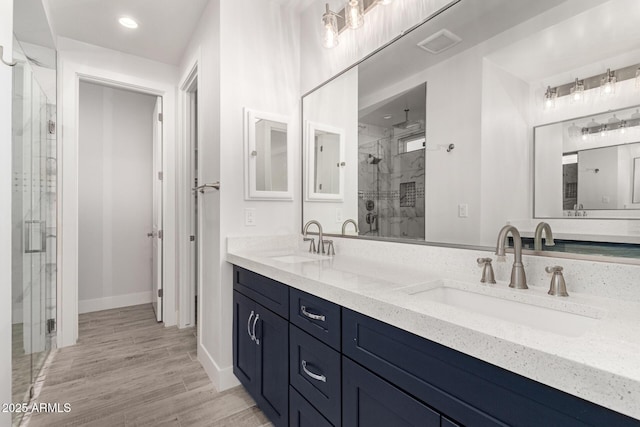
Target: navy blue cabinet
{"type": "Point", "coordinates": [303, 414]}
{"type": "Point", "coordinates": [369, 401]}
{"type": "Point", "coordinates": [261, 346]}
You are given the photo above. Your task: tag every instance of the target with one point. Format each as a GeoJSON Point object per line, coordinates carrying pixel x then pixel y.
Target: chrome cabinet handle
{"type": "Point", "coordinates": [249, 326]}
{"type": "Point", "coordinates": [319, 317]}
{"type": "Point", "coordinates": [202, 188]}
{"type": "Point", "coordinates": [311, 374]}
{"type": "Point", "coordinates": [254, 329]}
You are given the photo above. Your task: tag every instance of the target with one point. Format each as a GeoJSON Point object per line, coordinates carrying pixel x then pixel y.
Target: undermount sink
{"type": "Point", "coordinates": [542, 318]}
{"type": "Point", "coordinates": [293, 259]}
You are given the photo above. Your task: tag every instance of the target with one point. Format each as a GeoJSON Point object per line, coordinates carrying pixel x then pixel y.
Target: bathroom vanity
{"type": "Point", "coordinates": [334, 341]}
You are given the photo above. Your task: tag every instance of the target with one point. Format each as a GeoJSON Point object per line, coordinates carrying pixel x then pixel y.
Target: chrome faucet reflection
{"type": "Point", "coordinates": [320, 247]}
{"type": "Point", "coordinates": [548, 236]}
{"type": "Point", "coordinates": [347, 222]}
{"type": "Point", "coordinates": [518, 277]}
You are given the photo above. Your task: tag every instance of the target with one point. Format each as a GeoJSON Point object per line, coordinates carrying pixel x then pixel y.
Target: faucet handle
{"type": "Point", "coordinates": [558, 286]}
{"type": "Point", "coordinates": [312, 245]}
{"type": "Point", "coordinates": [487, 270]}
{"type": "Point", "coordinates": [330, 250]}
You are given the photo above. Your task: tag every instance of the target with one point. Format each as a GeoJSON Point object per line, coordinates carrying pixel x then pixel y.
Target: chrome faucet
{"type": "Point", "coordinates": [577, 208]}
{"type": "Point", "coordinates": [347, 222]}
{"type": "Point", "coordinates": [518, 277]}
{"type": "Point", "coordinates": [548, 236]}
{"type": "Point", "coordinates": [320, 247]}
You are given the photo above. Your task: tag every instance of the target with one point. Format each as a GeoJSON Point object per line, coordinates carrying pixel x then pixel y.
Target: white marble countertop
{"type": "Point", "coordinates": [601, 365]}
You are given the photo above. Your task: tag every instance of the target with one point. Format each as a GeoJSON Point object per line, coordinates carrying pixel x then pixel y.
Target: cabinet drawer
{"type": "Point", "coordinates": [371, 401]}
{"type": "Point", "coordinates": [469, 390]}
{"type": "Point", "coordinates": [316, 316]}
{"type": "Point", "coordinates": [271, 294]}
{"type": "Point", "coordinates": [314, 371]}
{"type": "Point", "coordinates": [302, 414]}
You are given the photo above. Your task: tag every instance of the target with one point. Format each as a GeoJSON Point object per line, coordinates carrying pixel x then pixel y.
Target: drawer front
{"type": "Point", "coordinates": [462, 387]}
{"type": "Point", "coordinates": [302, 414]}
{"type": "Point", "coordinates": [445, 422]}
{"type": "Point", "coordinates": [316, 316]}
{"type": "Point", "coordinates": [268, 292]}
{"type": "Point", "coordinates": [314, 371]}
{"type": "Point", "coordinates": [371, 401]}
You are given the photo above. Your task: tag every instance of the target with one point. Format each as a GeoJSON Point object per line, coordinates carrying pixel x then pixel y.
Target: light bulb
{"type": "Point", "coordinates": [550, 98]}
{"type": "Point", "coordinates": [608, 83]}
{"type": "Point", "coordinates": [330, 29]}
{"type": "Point", "coordinates": [127, 22]}
{"type": "Point", "coordinates": [354, 12]}
{"type": "Point", "coordinates": [585, 134]}
{"type": "Point", "coordinates": [603, 131]}
{"type": "Point", "coordinates": [623, 127]}
{"type": "Point", "coordinates": [577, 91]}
{"type": "Point", "coordinates": [385, 2]}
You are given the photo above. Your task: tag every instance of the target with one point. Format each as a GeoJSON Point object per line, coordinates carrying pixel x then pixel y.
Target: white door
{"type": "Point", "coordinates": [156, 233]}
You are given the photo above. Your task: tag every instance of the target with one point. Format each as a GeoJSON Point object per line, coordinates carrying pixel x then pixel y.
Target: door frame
{"type": "Point", "coordinates": [186, 292]}
{"type": "Point", "coordinates": [71, 71]}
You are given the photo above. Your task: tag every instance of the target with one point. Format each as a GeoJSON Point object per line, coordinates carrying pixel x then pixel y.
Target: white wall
{"type": "Point", "coordinates": [80, 61]}
{"type": "Point", "coordinates": [114, 197]}
{"type": "Point", "coordinates": [6, 40]}
{"type": "Point", "coordinates": [249, 59]}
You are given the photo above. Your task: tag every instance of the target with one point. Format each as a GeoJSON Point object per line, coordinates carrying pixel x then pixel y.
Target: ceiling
{"type": "Point", "coordinates": [165, 26]}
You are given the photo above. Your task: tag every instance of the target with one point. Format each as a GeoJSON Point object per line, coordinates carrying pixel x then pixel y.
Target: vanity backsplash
{"type": "Point", "coordinates": [604, 279]}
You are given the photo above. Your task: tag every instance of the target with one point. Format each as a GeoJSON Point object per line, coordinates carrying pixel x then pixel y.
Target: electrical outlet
{"type": "Point", "coordinates": [463, 210]}
{"type": "Point", "coordinates": [249, 217]}
{"type": "Point", "coordinates": [339, 215]}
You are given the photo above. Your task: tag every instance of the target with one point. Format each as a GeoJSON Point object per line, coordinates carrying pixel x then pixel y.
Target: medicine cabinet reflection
{"type": "Point", "coordinates": [325, 160]}
{"type": "Point", "coordinates": [268, 154]}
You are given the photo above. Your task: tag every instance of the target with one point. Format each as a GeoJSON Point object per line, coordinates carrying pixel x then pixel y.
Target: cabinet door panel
{"type": "Point", "coordinates": [303, 414]}
{"type": "Point", "coordinates": [244, 352]}
{"type": "Point", "coordinates": [369, 401]}
{"type": "Point", "coordinates": [272, 364]}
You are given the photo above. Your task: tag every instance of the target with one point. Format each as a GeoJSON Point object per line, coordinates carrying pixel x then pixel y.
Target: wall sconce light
{"type": "Point", "coordinates": [550, 98]}
{"type": "Point", "coordinates": [614, 124]}
{"type": "Point", "coordinates": [607, 83]}
{"type": "Point", "coordinates": [330, 28]}
{"type": "Point", "coordinates": [354, 14]}
{"type": "Point", "coordinates": [577, 91]}
{"type": "Point", "coordinates": [351, 16]}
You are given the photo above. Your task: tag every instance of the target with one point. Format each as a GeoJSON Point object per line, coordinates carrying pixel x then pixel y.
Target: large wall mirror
{"type": "Point", "coordinates": [439, 125]}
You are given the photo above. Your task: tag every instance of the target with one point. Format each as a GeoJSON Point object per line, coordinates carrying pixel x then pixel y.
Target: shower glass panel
{"type": "Point", "coordinates": [34, 222]}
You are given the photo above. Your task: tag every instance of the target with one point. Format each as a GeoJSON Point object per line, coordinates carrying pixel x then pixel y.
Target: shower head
{"type": "Point", "coordinates": [373, 160]}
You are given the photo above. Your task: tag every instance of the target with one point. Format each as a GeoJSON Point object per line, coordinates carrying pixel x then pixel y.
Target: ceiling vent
{"type": "Point", "coordinates": [439, 42]}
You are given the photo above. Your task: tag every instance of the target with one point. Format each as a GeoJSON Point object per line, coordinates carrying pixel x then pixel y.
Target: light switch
{"type": "Point", "coordinates": [463, 210]}
{"type": "Point", "coordinates": [249, 217]}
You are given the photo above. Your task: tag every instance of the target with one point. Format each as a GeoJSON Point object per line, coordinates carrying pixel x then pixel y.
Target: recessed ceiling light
{"type": "Point", "coordinates": [125, 21]}
{"type": "Point", "coordinates": [387, 117]}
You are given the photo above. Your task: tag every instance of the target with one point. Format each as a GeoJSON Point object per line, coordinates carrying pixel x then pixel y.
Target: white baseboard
{"type": "Point", "coordinates": [222, 379]}
{"type": "Point", "coordinates": [117, 301]}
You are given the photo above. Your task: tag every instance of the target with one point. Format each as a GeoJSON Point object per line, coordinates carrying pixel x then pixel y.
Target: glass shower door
{"type": "Point", "coordinates": [33, 224]}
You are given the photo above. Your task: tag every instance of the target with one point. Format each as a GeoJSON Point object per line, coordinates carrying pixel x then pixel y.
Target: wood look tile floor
{"type": "Point", "coordinates": [129, 370]}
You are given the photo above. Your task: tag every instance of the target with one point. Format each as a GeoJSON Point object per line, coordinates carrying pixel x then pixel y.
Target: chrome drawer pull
{"type": "Point", "coordinates": [254, 329]}
{"type": "Point", "coordinates": [249, 326]}
{"type": "Point", "coordinates": [311, 374]}
{"type": "Point", "coordinates": [319, 317]}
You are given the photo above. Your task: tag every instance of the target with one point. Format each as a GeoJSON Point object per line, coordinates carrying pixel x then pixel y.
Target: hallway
{"type": "Point", "coordinates": [129, 370]}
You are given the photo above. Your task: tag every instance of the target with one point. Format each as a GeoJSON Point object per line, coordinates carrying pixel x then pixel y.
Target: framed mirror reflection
{"type": "Point", "coordinates": [439, 124]}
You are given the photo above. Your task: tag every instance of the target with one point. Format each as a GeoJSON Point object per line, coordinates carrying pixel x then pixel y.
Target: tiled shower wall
{"type": "Point", "coordinates": [395, 184]}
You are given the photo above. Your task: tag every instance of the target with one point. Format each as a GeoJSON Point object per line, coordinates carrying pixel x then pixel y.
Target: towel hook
{"type": "Point", "coordinates": [10, 64]}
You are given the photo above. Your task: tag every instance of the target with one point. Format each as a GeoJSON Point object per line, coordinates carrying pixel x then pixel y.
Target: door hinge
{"type": "Point", "coordinates": [160, 175]}
{"type": "Point", "coordinates": [51, 325]}
{"type": "Point", "coordinates": [192, 238]}
{"type": "Point", "coordinates": [160, 117]}
{"type": "Point", "coordinates": [160, 293]}
{"type": "Point", "coordinates": [160, 234]}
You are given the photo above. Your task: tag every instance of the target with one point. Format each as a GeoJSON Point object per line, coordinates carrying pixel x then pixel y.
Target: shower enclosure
{"type": "Point", "coordinates": [391, 167]}
{"type": "Point", "coordinates": [34, 169]}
